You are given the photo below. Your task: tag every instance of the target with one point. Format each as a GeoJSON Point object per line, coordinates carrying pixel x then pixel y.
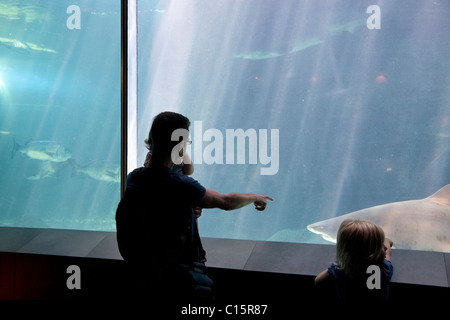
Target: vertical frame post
{"type": "Point", "coordinates": [129, 91]}
{"type": "Point", "coordinates": [123, 94]}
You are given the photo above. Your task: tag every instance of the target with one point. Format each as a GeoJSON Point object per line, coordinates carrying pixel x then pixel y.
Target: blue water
{"type": "Point", "coordinates": [362, 114]}
{"type": "Point", "coordinates": [67, 89]}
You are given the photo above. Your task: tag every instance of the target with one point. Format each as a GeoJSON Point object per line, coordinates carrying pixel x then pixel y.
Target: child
{"type": "Point", "coordinates": [359, 245]}
{"type": "Point", "coordinates": [185, 167]}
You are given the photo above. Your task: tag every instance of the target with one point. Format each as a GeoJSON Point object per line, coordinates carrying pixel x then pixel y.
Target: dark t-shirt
{"type": "Point", "coordinates": [356, 289]}
{"type": "Point", "coordinates": [155, 219]}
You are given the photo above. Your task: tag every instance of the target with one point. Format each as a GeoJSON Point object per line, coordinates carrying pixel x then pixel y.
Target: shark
{"type": "Point", "coordinates": [422, 224]}
{"type": "Point", "coordinates": [304, 43]}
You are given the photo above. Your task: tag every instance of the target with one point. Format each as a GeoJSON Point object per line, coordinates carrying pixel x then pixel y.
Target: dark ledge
{"type": "Point", "coordinates": [410, 267]}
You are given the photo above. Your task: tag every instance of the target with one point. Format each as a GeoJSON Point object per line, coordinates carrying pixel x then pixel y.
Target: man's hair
{"type": "Point", "coordinates": [359, 244]}
{"type": "Point", "coordinates": [159, 140]}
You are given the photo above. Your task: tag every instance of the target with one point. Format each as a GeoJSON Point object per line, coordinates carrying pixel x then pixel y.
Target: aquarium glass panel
{"type": "Point", "coordinates": [60, 113]}
{"type": "Point", "coordinates": [329, 107]}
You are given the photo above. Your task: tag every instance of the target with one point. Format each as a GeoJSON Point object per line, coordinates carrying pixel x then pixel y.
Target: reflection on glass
{"type": "Point", "coordinates": [60, 113]}
{"type": "Point", "coordinates": [358, 91]}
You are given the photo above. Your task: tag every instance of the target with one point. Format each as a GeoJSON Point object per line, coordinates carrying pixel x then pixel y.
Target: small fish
{"type": "Point", "coordinates": [42, 150]}
{"type": "Point", "coordinates": [102, 171]}
{"type": "Point", "coordinates": [26, 47]}
{"type": "Point", "coordinates": [6, 132]}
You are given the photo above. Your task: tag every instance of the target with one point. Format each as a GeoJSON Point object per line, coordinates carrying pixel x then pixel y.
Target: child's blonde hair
{"type": "Point", "coordinates": [359, 244]}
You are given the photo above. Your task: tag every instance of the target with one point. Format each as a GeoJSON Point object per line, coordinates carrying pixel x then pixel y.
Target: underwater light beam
{"type": "Point", "coordinates": [168, 59]}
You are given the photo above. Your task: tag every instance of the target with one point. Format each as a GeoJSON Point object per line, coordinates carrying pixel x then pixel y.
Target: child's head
{"type": "Point", "coordinates": [359, 244]}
